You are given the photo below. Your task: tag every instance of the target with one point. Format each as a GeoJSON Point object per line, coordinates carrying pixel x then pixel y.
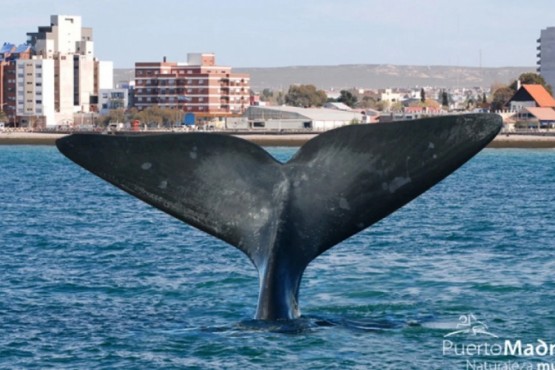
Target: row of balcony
{"type": "Point", "coordinates": [183, 82]}
{"type": "Point", "coordinates": [183, 92]}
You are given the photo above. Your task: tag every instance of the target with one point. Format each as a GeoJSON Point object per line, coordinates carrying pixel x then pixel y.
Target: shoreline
{"type": "Point", "coordinates": [292, 140]}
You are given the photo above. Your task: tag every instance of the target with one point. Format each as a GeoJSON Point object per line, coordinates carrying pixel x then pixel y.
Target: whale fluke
{"type": "Point", "coordinates": [282, 216]}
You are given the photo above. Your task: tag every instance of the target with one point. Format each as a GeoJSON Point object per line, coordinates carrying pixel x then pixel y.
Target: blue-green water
{"type": "Point", "coordinates": [93, 278]}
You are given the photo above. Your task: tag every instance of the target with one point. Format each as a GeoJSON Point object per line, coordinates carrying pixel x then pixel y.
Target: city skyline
{"type": "Point", "coordinates": [247, 33]}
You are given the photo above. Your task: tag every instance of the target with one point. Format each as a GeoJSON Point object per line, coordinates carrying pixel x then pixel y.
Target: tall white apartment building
{"type": "Point", "coordinates": [75, 76]}
{"type": "Point", "coordinates": [546, 55]}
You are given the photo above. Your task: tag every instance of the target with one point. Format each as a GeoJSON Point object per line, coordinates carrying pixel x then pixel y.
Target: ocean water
{"type": "Point", "coordinates": [93, 278]}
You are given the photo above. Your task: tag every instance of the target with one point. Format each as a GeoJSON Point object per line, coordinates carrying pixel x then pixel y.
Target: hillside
{"type": "Point", "coordinates": [369, 76]}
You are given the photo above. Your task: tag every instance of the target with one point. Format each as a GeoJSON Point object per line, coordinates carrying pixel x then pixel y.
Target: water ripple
{"type": "Point", "coordinates": [91, 277]}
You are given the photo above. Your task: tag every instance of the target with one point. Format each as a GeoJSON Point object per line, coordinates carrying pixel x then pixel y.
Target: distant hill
{"type": "Point", "coordinates": [369, 76]}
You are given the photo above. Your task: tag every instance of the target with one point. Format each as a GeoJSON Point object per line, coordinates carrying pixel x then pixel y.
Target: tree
{"type": "Point", "coordinates": [368, 102]}
{"type": "Point", "coordinates": [444, 98]}
{"type": "Point", "coordinates": [422, 95]}
{"type": "Point", "coordinates": [531, 78]}
{"type": "Point", "coordinates": [396, 106]}
{"type": "Point", "coordinates": [348, 98]}
{"type": "Point", "coordinates": [266, 95]}
{"type": "Point", "coordinates": [113, 115]}
{"type": "Point", "coordinates": [500, 97]}
{"type": "Point", "coordinates": [3, 116]}
{"type": "Point", "coordinates": [382, 105]}
{"type": "Point", "coordinates": [305, 96]}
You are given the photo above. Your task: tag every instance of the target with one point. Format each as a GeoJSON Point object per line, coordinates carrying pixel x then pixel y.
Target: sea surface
{"type": "Point", "coordinates": [91, 278]}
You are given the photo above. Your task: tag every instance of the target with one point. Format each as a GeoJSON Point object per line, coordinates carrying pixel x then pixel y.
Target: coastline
{"type": "Point", "coordinates": [274, 139]}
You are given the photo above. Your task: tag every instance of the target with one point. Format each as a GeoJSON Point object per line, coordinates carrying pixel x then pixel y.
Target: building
{"type": "Point", "coordinates": [35, 87]}
{"type": "Point", "coordinates": [546, 55]}
{"type": "Point", "coordinates": [535, 118]}
{"type": "Point", "coordinates": [57, 74]}
{"type": "Point", "coordinates": [9, 53]}
{"type": "Point", "coordinates": [529, 95]}
{"type": "Point", "coordinates": [295, 118]}
{"type": "Point", "coordinates": [198, 86]}
{"type": "Point", "coordinates": [338, 106]}
{"type": "Point", "coordinates": [533, 108]}
{"type": "Point", "coordinates": [79, 75]}
{"type": "Point", "coordinates": [391, 97]}
{"type": "Point", "coordinates": [109, 99]}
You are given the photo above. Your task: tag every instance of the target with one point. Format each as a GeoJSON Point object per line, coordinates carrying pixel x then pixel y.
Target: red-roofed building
{"type": "Point", "coordinates": [535, 117]}
{"type": "Point", "coordinates": [531, 96]}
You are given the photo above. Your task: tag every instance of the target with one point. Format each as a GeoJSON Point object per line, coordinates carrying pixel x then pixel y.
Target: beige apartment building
{"type": "Point", "coordinates": [34, 98]}
{"type": "Point", "coordinates": [198, 86]}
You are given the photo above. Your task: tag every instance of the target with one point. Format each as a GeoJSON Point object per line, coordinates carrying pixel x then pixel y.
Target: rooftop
{"type": "Point", "coordinates": [540, 95]}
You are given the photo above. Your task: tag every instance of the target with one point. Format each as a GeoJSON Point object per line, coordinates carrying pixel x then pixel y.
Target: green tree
{"type": "Point", "coordinates": [396, 106]}
{"type": "Point", "coordinates": [368, 102]}
{"type": "Point", "coordinates": [348, 98]}
{"type": "Point", "coordinates": [266, 95]}
{"type": "Point", "coordinates": [532, 79]}
{"type": "Point", "coordinates": [113, 115]}
{"type": "Point", "coordinates": [280, 98]}
{"type": "Point", "coordinates": [501, 97]}
{"type": "Point", "coordinates": [422, 95]}
{"type": "Point", "coordinates": [305, 96]}
{"type": "Point", "coordinates": [444, 98]}
{"type": "Point", "coordinates": [382, 105]}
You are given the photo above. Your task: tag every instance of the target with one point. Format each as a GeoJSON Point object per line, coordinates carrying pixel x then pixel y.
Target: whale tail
{"type": "Point", "coordinates": [282, 216]}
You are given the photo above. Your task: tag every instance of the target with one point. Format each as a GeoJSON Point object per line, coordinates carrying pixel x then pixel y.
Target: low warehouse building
{"type": "Point", "coordinates": [295, 118]}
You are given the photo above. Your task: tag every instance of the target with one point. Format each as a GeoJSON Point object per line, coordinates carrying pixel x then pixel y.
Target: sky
{"type": "Point", "coordinates": [274, 33]}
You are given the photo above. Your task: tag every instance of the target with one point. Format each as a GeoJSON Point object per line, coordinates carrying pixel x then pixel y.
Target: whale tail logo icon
{"type": "Point", "coordinates": [470, 325]}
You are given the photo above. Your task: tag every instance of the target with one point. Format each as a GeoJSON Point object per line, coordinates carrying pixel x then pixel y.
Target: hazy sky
{"type": "Point", "coordinates": [264, 33]}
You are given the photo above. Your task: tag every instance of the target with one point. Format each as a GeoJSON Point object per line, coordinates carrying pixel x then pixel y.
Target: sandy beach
{"type": "Point", "coordinates": [501, 141]}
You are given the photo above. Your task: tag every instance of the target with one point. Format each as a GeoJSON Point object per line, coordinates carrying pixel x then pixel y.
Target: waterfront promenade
{"type": "Point", "coordinates": [283, 139]}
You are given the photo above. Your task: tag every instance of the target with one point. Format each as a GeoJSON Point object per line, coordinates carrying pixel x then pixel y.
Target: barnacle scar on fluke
{"type": "Point", "coordinates": [284, 215]}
